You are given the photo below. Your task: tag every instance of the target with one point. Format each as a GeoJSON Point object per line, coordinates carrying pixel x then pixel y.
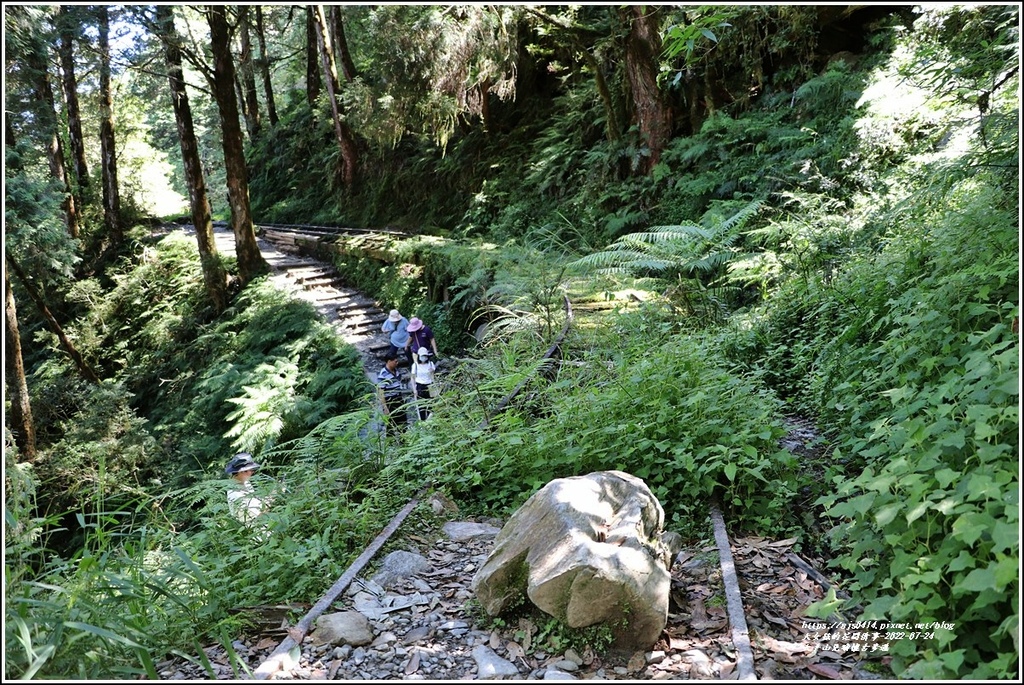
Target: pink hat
{"type": "Point", "coordinates": [414, 324]}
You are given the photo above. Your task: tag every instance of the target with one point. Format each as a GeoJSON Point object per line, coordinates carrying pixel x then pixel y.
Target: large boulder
{"type": "Point", "coordinates": [587, 550]}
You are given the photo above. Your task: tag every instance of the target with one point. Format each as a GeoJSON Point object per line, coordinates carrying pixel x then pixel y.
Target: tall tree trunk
{"type": "Point", "coordinates": [243, 106]}
{"type": "Point", "coordinates": [214, 275]}
{"type": "Point", "coordinates": [613, 131]}
{"type": "Point", "coordinates": [485, 105]}
{"type": "Point", "coordinates": [248, 75]}
{"type": "Point", "coordinates": [250, 262]}
{"type": "Point", "coordinates": [69, 347]}
{"type": "Point", "coordinates": [108, 156]}
{"type": "Point", "coordinates": [43, 94]}
{"type": "Point", "coordinates": [348, 67]}
{"type": "Point", "coordinates": [70, 82]}
{"type": "Point", "coordinates": [264, 63]}
{"type": "Point", "coordinates": [643, 48]}
{"type": "Point", "coordinates": [313, 83]}
{"type": "Point", "coordinates": [346, 141]}
{"type": "Point", "coordinates": [17, 387]}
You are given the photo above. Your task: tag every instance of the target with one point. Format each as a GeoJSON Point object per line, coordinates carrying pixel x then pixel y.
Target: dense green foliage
{"type": "Point", "coordinates": [839, 242]}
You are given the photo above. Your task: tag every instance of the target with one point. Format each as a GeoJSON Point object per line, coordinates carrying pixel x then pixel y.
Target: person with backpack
{"type": "Point", "coordinates": [420, 335]}
{"type": "Point", "coordinates": [397, 326]}
{"type": "Point", "coordinates": [389, 392]}
{"type": "Point", "coordinates": [423, 382]}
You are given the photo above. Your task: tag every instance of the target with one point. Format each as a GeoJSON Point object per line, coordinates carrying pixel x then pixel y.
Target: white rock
{"type": "Point", "coordinates": [587, 550]}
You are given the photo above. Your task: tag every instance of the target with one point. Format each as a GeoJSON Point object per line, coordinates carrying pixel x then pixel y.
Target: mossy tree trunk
{"type": "Point", "coordinates": [250, 262]}
{"type": "Point", "coordinates": [108, 154]}
{"type": "Point", "coordinates": [247, 75]}
{"type": "Point", "coordinates": [214, 275]}
{"type": "Point", "coordinates": [264, 65]}
{"type": "Point", "coordinates": [68, 28]}
{"type": "Point", "coordinates": [43, 94]}
{"type": "Point", "coordinates": [346, 139]}
{"type": "Point", "coordinates": [17, 387]}
{"type": "Point", "coordinates": [643, 50]}
{"type": "Point", "coordinates": [313, 83]}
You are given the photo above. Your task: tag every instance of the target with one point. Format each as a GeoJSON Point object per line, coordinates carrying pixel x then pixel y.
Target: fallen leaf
{"type": "Point", "coordinates": [697, 613]}
{"type": "Point", "coordinates": [782, 543]}
{"type": "Point", "coordinates": [824, 671]}
{"type": "Point", "coordinates": [514, 650]}
{"type": "Point", "coordinates": [266, 643]}
{"type": "Point", "coordinates": [784, 647]}
{"type": "Point", "coordinates": [528, 629]}
{"type": "Point", "coordinates": [675, 643]}
{"type": "Point", "coordinates": [636, 662]}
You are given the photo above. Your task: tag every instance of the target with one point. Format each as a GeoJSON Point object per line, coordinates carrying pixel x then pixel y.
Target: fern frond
{"type": "Point", "coordinates": [737, 220]}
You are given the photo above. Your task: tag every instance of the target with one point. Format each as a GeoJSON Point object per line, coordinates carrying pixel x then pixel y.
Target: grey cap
{"type": "Point", "coordinates": [242, 461]}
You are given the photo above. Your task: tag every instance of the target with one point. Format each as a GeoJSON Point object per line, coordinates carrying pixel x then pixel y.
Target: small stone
{"type": "Point", "coordinates": [416, 635]}
{"type": "Point", "coordinates": [556, 674]}
{"type": "Point", "coordinates": [384, 638]}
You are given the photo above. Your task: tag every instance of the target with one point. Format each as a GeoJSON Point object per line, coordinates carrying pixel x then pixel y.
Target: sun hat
{"type": "Point", "coordinates": [414, 324]}
{"type": "Point", "coordinates": [422, 352]}
{"type": "Point", "coordinates": [242, 461]}
{"type": "Point", "coordinates": [395, 315]}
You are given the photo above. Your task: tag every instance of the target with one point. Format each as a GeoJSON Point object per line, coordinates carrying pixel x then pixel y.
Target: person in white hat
{"type": "Point", "coordinates": [423, 381]}
{"type": "Point", "coordinates": [398, 326]}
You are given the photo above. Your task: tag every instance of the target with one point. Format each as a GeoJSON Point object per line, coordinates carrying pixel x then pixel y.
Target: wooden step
{"type": "Point", "coordinates": [306, 270]}
{"type": "Point", "coordinates": [357, 303]}
{"type": "Point", "coordinates": [365, 326]}
{"type": "Point", "coordinates": [322, 282]}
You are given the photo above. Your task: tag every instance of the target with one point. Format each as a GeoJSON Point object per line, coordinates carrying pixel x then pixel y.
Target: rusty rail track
{"type": "Point", "coordinates": [329, 231]}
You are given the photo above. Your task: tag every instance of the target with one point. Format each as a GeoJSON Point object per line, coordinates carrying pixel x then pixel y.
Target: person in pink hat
{"type": "Point", "coordinates": [420, 335]}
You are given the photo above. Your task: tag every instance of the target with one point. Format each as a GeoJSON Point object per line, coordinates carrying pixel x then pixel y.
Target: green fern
{"type": "Point", "coordinates": [262, 411]}
{"type": "Point", "coordinates": [689, 249]}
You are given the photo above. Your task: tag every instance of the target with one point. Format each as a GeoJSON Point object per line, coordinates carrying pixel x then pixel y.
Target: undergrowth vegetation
{"type": "Point", "coordinates": [834, 252]}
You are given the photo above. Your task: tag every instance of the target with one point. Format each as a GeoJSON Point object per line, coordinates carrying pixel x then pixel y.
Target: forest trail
{"type": "Point", "coordinates": [355, 317]}
{"type": "Point", "coordinates": [424, 626]}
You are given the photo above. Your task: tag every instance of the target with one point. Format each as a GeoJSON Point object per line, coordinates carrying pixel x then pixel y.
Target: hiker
{"type": "Point", "coordinates": [423, 382]}
{"type": "Point", "coordinates": [242, 499]}
{"type": "Point", "coordinates": [420, 335]}
{"type": "Point", "coordinates": [397, 325]}
{"type": "Point", "coordinates": [389, 392]}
